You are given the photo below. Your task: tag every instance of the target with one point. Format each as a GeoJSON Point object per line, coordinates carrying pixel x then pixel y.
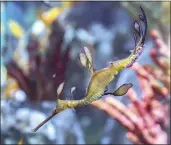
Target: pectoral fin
{"type": "Point", "coordinates": [122, 90]}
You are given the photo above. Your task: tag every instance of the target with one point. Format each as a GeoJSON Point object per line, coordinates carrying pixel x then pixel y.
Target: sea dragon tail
{"type": "Point", "coordinates": [144, 19]}
{"type": "Point", "coordinates": [138, 32]}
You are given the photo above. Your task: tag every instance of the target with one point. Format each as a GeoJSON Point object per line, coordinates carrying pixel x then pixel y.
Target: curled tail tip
{"type": "Point", "coordinates": [141, 34]}
{"type": "Point", "coordinates": [143, 17]}
{"type": "Point", "coordinates": [139, 29]}
{"type": "Point", "coordinates": [141, 8]}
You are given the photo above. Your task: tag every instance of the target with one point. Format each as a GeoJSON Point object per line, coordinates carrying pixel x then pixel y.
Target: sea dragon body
{"type": "Point", "coordinates": [100, 79]}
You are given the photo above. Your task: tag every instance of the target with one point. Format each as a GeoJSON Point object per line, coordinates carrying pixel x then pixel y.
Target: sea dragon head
{"type": "Point", "coordinates": [61, 105]}
{"type": "Point", "coordinates": [56, 110]}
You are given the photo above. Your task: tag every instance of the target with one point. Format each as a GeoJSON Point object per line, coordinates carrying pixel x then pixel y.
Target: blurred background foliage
{"type": "Point", "coordinates": [40, 43]}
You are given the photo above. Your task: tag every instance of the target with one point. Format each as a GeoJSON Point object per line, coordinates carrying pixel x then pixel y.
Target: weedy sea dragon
{"type": "Point", "coordinates": [100, 79]}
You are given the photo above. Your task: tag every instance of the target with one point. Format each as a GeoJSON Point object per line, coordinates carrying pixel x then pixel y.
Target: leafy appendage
{"type": "Point", "coordinates": [86, 59]}
{"type": "Point", "coordinates": [122, 90]}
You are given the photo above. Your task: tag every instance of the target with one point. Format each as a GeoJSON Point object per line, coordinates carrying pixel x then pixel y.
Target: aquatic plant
{"type": "Point", "coordinates": [37, 64]}
{"type": "Point", "coordinates": [145, 119]}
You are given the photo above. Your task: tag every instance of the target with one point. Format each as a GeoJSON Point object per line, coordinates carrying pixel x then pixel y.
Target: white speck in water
{"type": "Point", "coordinates": [54, 75]}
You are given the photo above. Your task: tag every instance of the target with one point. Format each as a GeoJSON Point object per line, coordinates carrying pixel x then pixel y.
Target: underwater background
{"type": "Point", "coordinates": [40, 44]}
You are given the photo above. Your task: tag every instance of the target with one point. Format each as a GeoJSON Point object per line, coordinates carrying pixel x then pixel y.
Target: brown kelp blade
{"type": "Point", "coordinates": [43, 122]}
{"type": "Point", "coordinates": [122, 90]}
